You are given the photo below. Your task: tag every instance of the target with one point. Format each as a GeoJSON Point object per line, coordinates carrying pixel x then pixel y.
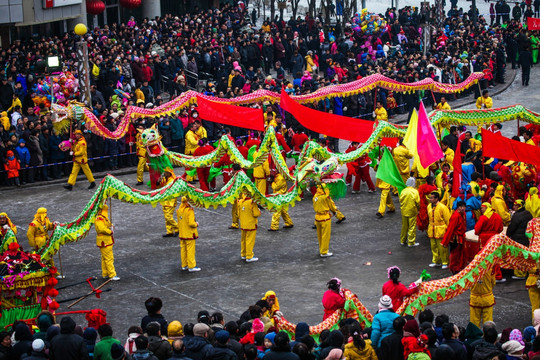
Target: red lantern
{"type": "Point", "coordinates": [95, 7]}
{"type": "Point", "coordinates": [130, 4]}
{"type": "Point", "coordinates": [53, 306]}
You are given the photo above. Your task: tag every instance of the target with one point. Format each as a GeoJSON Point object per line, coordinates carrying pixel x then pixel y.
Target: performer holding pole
{"type": "Point", "coordinates": [187, 232]}
{"type": "Point", "coordinates": [105, 242]}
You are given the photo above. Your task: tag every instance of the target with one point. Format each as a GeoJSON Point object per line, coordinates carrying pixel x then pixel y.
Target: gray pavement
{"type": "Point", "coordinates": [149, 265]}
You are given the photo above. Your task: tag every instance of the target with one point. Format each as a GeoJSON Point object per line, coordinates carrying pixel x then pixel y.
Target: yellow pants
{"type": "Point", "coordinates": [107, 262]}
{"type": "Point", "coordinates": [187, 253]}
{"type": "Point", "coordinates": [234, 212]}
{"type": "Point", "coordinates": [278, 214]}
{"type": "Point", "coordinates": [386, 200]}
{"type": "Point", "coordinates": [439, 252]}
{"type": "Point", "coordinates": [141, 167]}
{"type": "Point", "coordinates": [324, 230]}
{"type": "Point", "coordinates": [261, 185]}
{"type": "Point", "coordinates": [408, 229]}
{"type": "Point", "coordinates": [534, 297]}
{"type": "Point", "coordinates": [75, 171]}
{"type": "Point", "coordinates": [247, 243]}
{"type": "Point", "coordinates": [170, 223]}
{"type": "Point", "coordinates": [481, 315]}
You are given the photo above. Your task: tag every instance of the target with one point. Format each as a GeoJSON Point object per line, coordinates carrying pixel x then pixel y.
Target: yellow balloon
{"type": "Point", "coordinates": [80, 29]}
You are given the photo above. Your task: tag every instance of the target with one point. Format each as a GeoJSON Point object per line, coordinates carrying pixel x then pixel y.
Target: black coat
{"type": "Point", "coordinates": [518, 226]}
{"type": "Point", "coordinates": [160, 347]}
{"type": "Point", "coordinates": [198, 348]}
{"type": "Point", "coordinates": [280, 355]}
{"type": "Point", "coordinates": [391, 347]}
{"type": "Point", "coordinates": [222, 352]}
{"type": "Point", "coordinates": [68, 347]}
{"type": "Point", "coordinates": [525, 59]}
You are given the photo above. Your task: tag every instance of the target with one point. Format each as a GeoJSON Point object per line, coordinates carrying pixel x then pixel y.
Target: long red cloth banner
{"type": "Point", "coordinates": [239, 116]}
{"type": "Point", "coordinates": [341, 127]}
{"type": "Point", "coordinates": [500, 147]}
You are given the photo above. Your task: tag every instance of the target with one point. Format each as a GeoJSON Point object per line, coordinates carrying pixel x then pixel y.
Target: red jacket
{"type": "Point", "coordinates": [332, 301]}
{"type": "Point", "coordinates": [485, 228]}
{"type": "Point", "coordinates": [203, 150]}
{"type": "Point", "coordinates": [147, 73]}
{"type": "Point", "coordinates": [12, 167]}
{"type": "Point", "coordinates": [397, 292]}
{"type": "Point", "coordinates": [298, 141]}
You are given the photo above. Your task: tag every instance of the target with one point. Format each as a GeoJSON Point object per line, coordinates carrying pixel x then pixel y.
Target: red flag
{"type": "Point", "coordinates": [239, 116]}
{"type": "Point", "coordinates": [533, 23]}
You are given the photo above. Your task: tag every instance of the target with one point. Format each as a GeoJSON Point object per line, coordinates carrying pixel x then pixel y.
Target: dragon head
{"type": "Point", "coordinates": [319, 172]}
{"type": "Point", "coordinates": [152, 141]}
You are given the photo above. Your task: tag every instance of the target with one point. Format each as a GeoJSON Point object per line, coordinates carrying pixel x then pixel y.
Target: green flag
{"type": "Point", "coordinates": [388, 171]}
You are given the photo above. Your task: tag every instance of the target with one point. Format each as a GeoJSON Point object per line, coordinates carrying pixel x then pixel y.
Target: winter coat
{"type": "Point", "coordinates": [68, 347]}
{"type": "Point", "coordinates": [198, 348]}
{"type": "Point", "coordinates": [331, 301]}
{"type": "Point", "coordinates": [518, 225]}
{"type": "Point", "coordinates": [354, 353]}
{"type": "Point", "coordinates": [159, 347]}
{"type": "Point", "coordinates": [382, 326]}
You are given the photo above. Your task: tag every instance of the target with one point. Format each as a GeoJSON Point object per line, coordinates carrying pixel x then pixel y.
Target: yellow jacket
{"type": "Point", "coordinates": [262, 171]}
{"type": "Point", "coordinates": [322, 204]}
{"type": "Point", "coordinates": [103, 226]}
{"type": "Point", "coordinates": [410, 201]}
{"type": "Point", "coordinates": [532, 203]}
{"type": "Point", "coordinates": [187, 226]}
{"type": "Point", "coordinates": [248, 213]}
{"type": "Point", "coordinates": [192, 142]}
{"type": "Point", "coordinates": [170, 202]}
{"type": "Point", "coordinates": [381, 114]}
{"type": "Point", "coordinates": [488, 102]}
{"type": "Point", "coordinates": [5, 121]}
{"type": "Point", "coordinates": [39, 227]}
{"type": "Point", "coordinates": [476, 190]}
{"type": "Point", "coordinates": [482, 291]}
{"type": "Point", "coordinates": [14, 103]}
{"type": "Point", "coordinates": [353, 353]}
{"type": "Point", "coordinates": [499, 205]}
{"type": "Point", "coordinates": [141, 149]}
{"type": "Point", "coordinates": [79, 151]}
{"type": "Point", "coordinates": [139, 95]}
{"type": "Point", "coordinates": [279, 185]}
{"type": "Point", "coordinates": [445, 106]}
{"type": "Point", "coordinates": [475, 145]}
{"type": "Point", "coordinates": [402, 155]}
{"type": "Point", "coordinates": [309, 63]}
{"type": "Point", "coordinates": [275, 307]}
{"type": "Point", "coordinates": [449, 157]}
{"type": "Point", "coordinates": [438, 220]}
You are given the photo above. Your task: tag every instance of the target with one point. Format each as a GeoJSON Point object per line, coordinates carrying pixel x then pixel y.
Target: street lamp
{"type": "Point", "coordinates": [54, 63]}
{"type": "Point", "coordinates": [83, 69]}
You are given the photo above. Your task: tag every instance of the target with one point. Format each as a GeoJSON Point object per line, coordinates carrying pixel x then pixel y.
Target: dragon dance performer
{"type": "Point", "coordinates": [38, 230]}
{"type": "Point", "coordinates": [273, 304]}
{"type": "Point", "coordinates": [6, 224]}
{"type": "Point", "coordinates": [141, 155]}
{"type": "Point", "coordinates": [248, 214]}
{"type": "Point", "coordinates": [260, 174]}
{"type": "Point", "coordinates": [439, 217]}
{"type": "Point", "coordinates": [279, 185]}
{"type": "Point", "coordinates": [322, 204]}
{"type": "Point", "coordinates": [105, 243]}
{"type": "Point", "coordinates": [187, 232]}
{"type": "Point", "coordinates": [234, 211]}
{"type": "Point", "coordinates": [482, 300]}
{"type": "Point", "coordinates": [395, 289]}
{"type": "Point", "coordinates": [80, 161]}
{"type": "Point", "coordinates": [168, 207]}
{"type": "Point", "coordinates": [454, 237]}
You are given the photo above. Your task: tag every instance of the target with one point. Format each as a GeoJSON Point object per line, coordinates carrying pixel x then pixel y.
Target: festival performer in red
{"type": "Point", "coordinates": [422, 220]}
{"type": "Point", "coordinates": [455, 239]}
{"type": "Point", "coordinates": [488, 225]}
{"type": "Point", "coordinates": [353, 165]}
{"type": "Point", "coordinates": [203, 173]}
{"type": "Point", "coordinates": [298, 140]}
{"type": "Point", "coordinates": [333, 298]}
{"type": "Point", "coordinates": [395, 289]}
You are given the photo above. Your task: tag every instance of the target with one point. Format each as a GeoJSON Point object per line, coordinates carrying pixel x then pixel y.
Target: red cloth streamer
{"type": "Point", "coordinates": [533, 23]}
{"type": "Point", "coordinates": [500, 147]}
{"type": "Point", "coordinates": [341, 127]}
{"type": "Point", "coordinates": [243, 117]}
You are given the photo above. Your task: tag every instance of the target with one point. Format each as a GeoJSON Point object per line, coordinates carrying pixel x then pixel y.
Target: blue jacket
{"type": "Point", "coordinates": [382, 326]}
{"type": "Point", "coordinates": [24, 155]}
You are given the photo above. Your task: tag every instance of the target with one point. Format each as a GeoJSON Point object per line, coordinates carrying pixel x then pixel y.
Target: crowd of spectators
{"type": "Point", "coordinates": [154, 60]}
{"type": "Point", "coordinates": [255, 336]}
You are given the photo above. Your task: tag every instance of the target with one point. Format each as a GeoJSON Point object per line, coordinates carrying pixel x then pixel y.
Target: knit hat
{"type": "Point", "coordinates": [200, 329]}
{"type": "Point", "coordinates": [529, 333]}
{"type": "Point", "coordinates": [516, 335]}
{"type": "Point", "coordinates": [175, 327]}
{"type": "Point", "coordinates": [38, 345]}
{"type": "Point", "coordinates": [512, 347]}
{"type": "Point", "coordinates": [271, 336]}
{"type": "Point", "coordinates": [222, 336]}
{"type": "Point", "coordinates": [258, 326]}
{"type": "Point", "coordinates": [117, 351]}
{"type": "Point", "coordinates": [411, 326]}
{"type": "Point", "coordinates": [385, 302]}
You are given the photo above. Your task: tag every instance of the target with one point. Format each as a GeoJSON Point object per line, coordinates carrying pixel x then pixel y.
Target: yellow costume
{"type": "Point", "coordinates": [5, 121]}
{"type": "Point", "coordinates": [9, 224]}
{"type": "Point", "coordinates": [381, 114]}
{"type": "Point", "coordinates": [482, 300]}
{"type": "Point", "coordinates": [486, 102]}
{"type": "Point", "coordinates": [445, 106]}
{"type": "Point", "coordinates": [105, 242]}
{"type": "Point", "coordinates": [168, 211]}
{"type": "Point", "coordinates": [534, 291]}
{"type": "Point", "coordinates": [187, 232]}
{"type": "Point", "coordinates": [386, 199]}
{"type": "Point", "coordinates": [38, 230]}
{"type": "Point", "coordinates": [322, 207]}
{"type": "Point", "coordinates": [141, 154]}
{"type": "Point", "coordinates": [449, 157]}
{"type": "Point", "coordinates": [248, 213]}
{"type": "Point", "coordinates": [234, 212]}
{"type": "Point", "coordinates": [269, 119]}
{"type": "Point", "coordinates": [192, 142]}
{"type": "Point", "coordinates": [476, 190]}
{"type": "Point", "coordinates": [260, 173]}
{"type": "Point", "coordinates": [532, 203]}
{"type": "Point", "coordinates": [15, 102]}
{"type": "Point", "coordinates": [80, 161]}
{"type": "Point", "coordinates": [439, 216]}
{"type": "Point", "coordinates": [139, 95]}
{"type": "Point", "coordinates": [309, 63]}
{"type": "Point", "coordinates": [499, 205]}
{"type": "Point", "coordinates": [279, 185]}
{"type": "Point", "coordinates": [410, 204]}
{"type": "Point", "coordinates": [402, 157]}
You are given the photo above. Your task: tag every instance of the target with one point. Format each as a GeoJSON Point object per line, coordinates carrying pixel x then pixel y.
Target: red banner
{"type": "Point", "coordinates": [337, 126]}
{"type": "Point", "coordinates": [533, 23]}
{"type": "Point", "coordinates": [497, 146]}
{"type": "Point", "coordinates": [239, 116]}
